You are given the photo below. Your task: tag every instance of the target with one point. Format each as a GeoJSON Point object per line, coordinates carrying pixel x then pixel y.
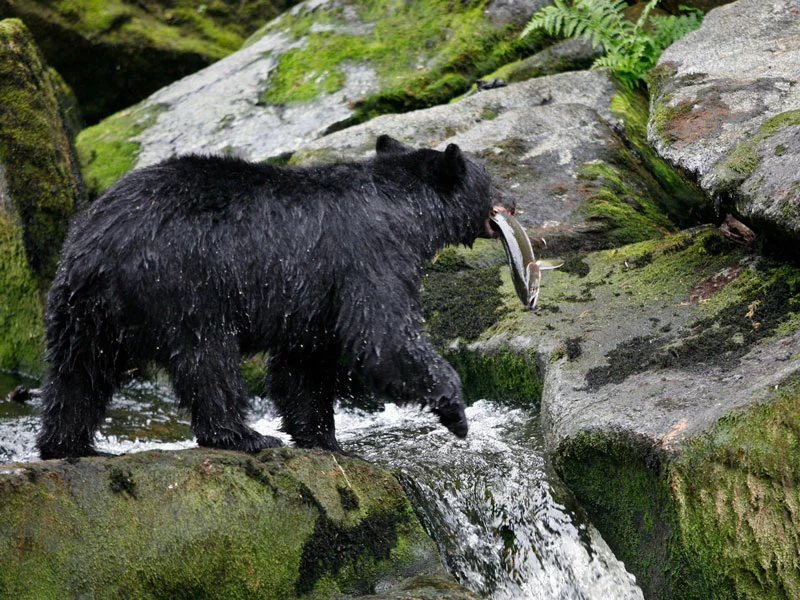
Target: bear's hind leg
{"type": "Point", "coordinates": [208, 382]}
{"type": "Point", "coordinates": [81, 377]}
{"type": "Point", "coordinates": [302, 389]}
{"type": "Point", "coordinates": [73, 405]}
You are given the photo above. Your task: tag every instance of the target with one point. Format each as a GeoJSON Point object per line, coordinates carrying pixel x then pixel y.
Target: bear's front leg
{"type": "Point", "coordinates": [380, 328]}
{"type": "Point", "coordinates": [208, 382]}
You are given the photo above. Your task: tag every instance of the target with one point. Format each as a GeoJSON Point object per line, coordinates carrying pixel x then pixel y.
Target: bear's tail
{"type": "Point", "coordinates": [81, 352]}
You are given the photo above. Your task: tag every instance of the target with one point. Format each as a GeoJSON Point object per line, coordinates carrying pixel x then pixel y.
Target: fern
{"type": "Point", "coordinates": [631, 49]}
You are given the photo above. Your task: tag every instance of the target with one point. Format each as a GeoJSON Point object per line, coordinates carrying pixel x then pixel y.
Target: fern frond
{"type": "Point", "coordinates": [631, 49]}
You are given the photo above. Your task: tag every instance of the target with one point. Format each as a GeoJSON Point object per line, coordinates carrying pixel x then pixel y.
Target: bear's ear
{"type": "Point", "coordinates": [454, 167]}
{"type": "Point", "coordinates": [388, 145]}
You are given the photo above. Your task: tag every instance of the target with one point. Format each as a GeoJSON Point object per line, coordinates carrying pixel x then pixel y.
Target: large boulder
{"type": "Point", "coordinates": [40, 187]}
{"type": "Point", "coordinates": [316, 67]}
{"type": "Point", "coordinates": [726, 109]}
{"type": "Point", "coordinates": [570, 149]}
{"type": "Point", "coordinates": [211, 524]}
{"type": "Point", "coordinates": [114, 54]}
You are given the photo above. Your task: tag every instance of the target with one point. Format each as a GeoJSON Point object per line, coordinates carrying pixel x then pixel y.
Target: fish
{"type": "Point", "coordinates": [526, 271]}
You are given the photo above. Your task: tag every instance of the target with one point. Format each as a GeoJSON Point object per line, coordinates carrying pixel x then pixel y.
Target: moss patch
{"type": "Point", "coordinates": [21, 330]}
{"type": "Point", "coordinates": [502, 374]}
{"type": "Point", "coordinates": [756, 304]}
{"type": "Point", "coordinates": [459, 301]}
{"type": "Point", "coordinates": [683, 201]}
{"type": "Point", "coordinates": [743, 477]}
{"type": "Point", "coordinates": [745, 158]}
{"type": "Point", "coordinates": [41, 173]}
{"type": "Point", "coordinates": [620, 483]}
{"type": "Point", "coordinates": [424, 53]}
{"type": "Point", "coordinates": [136, 47]}
{"type": "Point", "coordinates": [107, 150]}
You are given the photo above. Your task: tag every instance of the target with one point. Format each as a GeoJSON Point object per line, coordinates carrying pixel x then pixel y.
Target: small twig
{"type": "Point", "coordinates": [343, 473]}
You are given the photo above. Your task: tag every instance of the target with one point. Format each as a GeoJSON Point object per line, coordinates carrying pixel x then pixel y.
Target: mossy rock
{"type": "Point", "coordinates": [317, 68]}
{"type": "Point", "coordinates": [719, 521]}
{"type": "Point", "coordinates": [136, 47]}
{"type": "Point", "coordinates": [40, 188]}
{"type": "Point", "coordinates": [668, 374]}
{"type": "Point", "coordinates": [727, 116]}
{"type": "Point", "coordinates": [207, 524]}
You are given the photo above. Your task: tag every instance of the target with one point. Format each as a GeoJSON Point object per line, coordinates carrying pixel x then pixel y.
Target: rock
{"type": "Point", "coordinates": [569, 148]}
{"type": "Point", "coordinates": [40, 187]}
{"type": "Point", "coordinates": [135, 47]}
{"type": "Point", "coordinates": [674, 6]}
{"type": "Point", "coordinates": [668, 376]}
{"type": "Point", "coordinates": [729, 113]}
{"type": "Point", "coordinates": [318, 66]}
{"type": "Point", "coordinates": [206, 523]}
{"type": "Point", "coordinates": [566, 55]}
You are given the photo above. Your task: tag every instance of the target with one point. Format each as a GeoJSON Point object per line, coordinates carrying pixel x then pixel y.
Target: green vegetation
{"type": "Point", "coordinates": [41, 173]}
{"type": "Point", "coordinates": [21, 330]}
{"type": "Point", "coordinates": [742, 476]}
{"type": "Point", "coordinates": [459, 301]}
{"type": "Point", "coordinates": [424, 53]}
{"type": "Point", "coordinates": [631, 49]}
{"type": "Point", "coordinates": [107, 150]}
{"type": "Point", "coordinates": [40, 187]}
{"type": "Point", "coordinates": [745, 158]}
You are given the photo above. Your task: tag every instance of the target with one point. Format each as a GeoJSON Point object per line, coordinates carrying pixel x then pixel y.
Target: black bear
{"type": "Point", "coordinates": [191, 262]}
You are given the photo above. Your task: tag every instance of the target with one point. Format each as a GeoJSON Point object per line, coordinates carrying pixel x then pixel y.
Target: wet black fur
{"type": "Point", "coordinates": [194, 261]}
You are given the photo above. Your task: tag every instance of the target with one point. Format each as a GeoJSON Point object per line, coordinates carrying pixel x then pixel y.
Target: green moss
{"type": "Point", "coordinates": [500, 374]}
{"type": "Point", "coordinates": [459, 301]}
{"type": "Point", "coordinates": [21, 331]}
{"type": "Point", "coordinates": [683, 201]}
{"type": "Point", "coordinates": [664, 117]}
{"type": "Point", "coordinates": [629, 214]}
{"type": "Point", "coordinates": [424, 53]}
{"type": "Point", "coordinates": [758, 303]}
{"type": "Point", "coordinates": [254, 371]}
{"type": "Point", "coordinates": [772, 125]}
{"type": "Point", "coordinates": [41, 175]}
{"type": "Point", "coordinates": [107, 150]}
{"type": "Point", "coordinates": [619, 482]}
{"type": "Point", "coordinates": [745, 158]}
{"type": "Point", "coordinates": [213, 29]}
{"type": "Point", "coordinates": [743, 477]}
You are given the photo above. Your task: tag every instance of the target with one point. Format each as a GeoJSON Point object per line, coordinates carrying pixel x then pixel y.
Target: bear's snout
{"type": "Point", "coordinates": [454, 418]}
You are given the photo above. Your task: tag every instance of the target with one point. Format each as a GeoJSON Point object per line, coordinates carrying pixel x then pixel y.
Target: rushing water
{"type": "Point", "coordinates": [496, 510]}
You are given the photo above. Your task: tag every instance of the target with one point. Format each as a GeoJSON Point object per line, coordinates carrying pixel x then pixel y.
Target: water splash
{"type": "Point", "coordinates": [492, 503]}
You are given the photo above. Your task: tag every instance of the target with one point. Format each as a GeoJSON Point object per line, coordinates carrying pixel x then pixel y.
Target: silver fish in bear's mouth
{"type": "Point", "coordinates": [526, 271]}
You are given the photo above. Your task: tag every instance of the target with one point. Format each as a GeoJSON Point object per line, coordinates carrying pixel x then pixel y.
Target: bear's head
{"type": "Point", "coordinates": [462, 185]}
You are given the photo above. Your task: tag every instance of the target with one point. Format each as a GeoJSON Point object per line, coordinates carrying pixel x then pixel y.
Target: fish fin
{"type": "Point", "coordinates": [546, 265]}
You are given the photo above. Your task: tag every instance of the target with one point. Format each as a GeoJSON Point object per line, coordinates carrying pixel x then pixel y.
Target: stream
{"type": "Point", "coordinates": [506, 527]}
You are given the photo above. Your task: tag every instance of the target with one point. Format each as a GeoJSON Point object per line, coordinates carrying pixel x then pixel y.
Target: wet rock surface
{"type": "Point", "coordinates": [725, 109]}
